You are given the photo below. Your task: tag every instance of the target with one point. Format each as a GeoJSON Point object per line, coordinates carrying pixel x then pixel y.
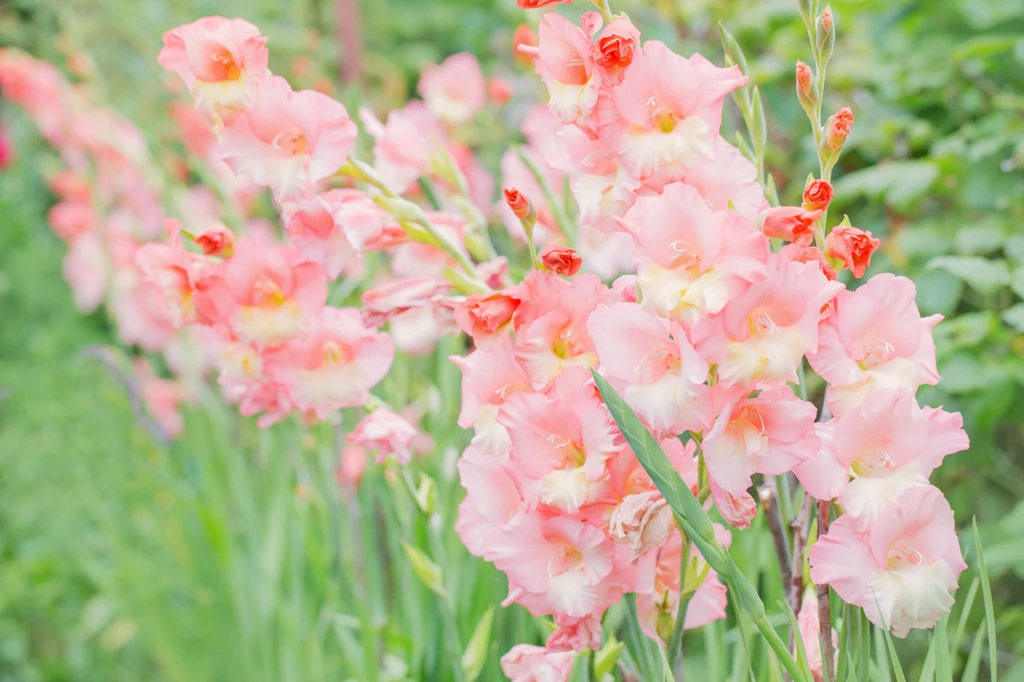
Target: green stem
{"type": "Point", "coordinates": [675, 646]}
{"type": "Point", "coordinates": [606, 10]}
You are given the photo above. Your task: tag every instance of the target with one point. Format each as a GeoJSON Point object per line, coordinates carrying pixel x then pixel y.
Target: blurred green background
{"type": "Point", "coordinates": [116, 564]}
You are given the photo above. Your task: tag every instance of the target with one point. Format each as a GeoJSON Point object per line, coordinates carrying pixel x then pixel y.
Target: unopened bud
{"type": "Point", "coordinates": [817, 195]}
{"type": "Point", "coordinates": [837, 128]}
{"type": "Point", "coordinates": [216, 241]}
{"type": "Point", "coordinates": [826, 35]}
{"type": "Point", "coordinates": [521, 206]}
{"type": "Point", "coordinates": [806, 90]}
{"type": "Point", "coordinates": [560, 260]}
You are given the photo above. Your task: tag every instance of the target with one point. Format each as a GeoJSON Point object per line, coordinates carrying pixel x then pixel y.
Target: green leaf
{"type": "Point", "coordinates": [606, 657]}
{"type": "Point", "coordinates": [664, 475]}
{"type": "Point", "coordinates": [897, 669]}
{"type": "Point", "coordinates": [990, 615]}
{"type": "Point", "coordinates": [425, 569]}
{"type": "Point", "coordinates": [693, 519]}
{"type": "Point", "coordinates": [943, 664]}
{"type": "Point", "coordinates": [1014, 316]}
{"type": "Point", "coordinates": [475, 655]}
{"type": "Point", "coordinates": [981, 274]}
{"type": "Point", "coordinates": [981, 239]}
{"type": "Point", "coordinates": [899, 184]}
{"type": "Point", "coordinates": [938, 292]}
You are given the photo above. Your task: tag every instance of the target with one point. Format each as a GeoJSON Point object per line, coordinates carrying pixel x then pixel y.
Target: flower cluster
{"type": "Point", "coordinates": [716, 304]}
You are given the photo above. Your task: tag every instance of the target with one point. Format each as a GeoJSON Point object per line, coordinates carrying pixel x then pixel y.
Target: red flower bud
{"type": "Point", "coordinates": [615, 49]}
{"type": "Point", "coordinates": [536, 4]}
{"type": "Point", "coordinates": [560, 260]}
{"type": "Point", "coordinates": [216, 241]}
{"type": "Point", "coordinates": [852, 247]}
{"type": "Point", "coordinates": [791, 224]}
{"type": "Point", "coordinates": [520, 204]}
{"type": "Point", "coordinates": [817, 195]}
{"type": "Point", "coordinates": [838, 127]}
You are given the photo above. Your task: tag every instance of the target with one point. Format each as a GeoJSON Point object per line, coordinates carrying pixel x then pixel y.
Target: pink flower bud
{"type": "Point", "coordinates": [825, 18]}
{"type": "Point", "coordinates": [216, 241]}
{"type": "Point", "coordinates": [499, 90]}
{"type": "Point", "coordinates": [560, 260]}
{"type": "Point", "coordinates": [524, 37]}
{"type": "Point", "coordinates": [804, 78]}
{"type": "Point", "coordinates": [852, 247]}
{"type": "Point", "coordinates": [791, 224]}
{"type": "Point", "coordinates": [483, 316]}
{"type": "Point", "coordinates": [838, 128]}
{"type": "Point", "coordinates": [615, 49]}
{"type": "Point", "coordinates": [520, 205]}
{"type": "Point", "coordinates": [817, 195]}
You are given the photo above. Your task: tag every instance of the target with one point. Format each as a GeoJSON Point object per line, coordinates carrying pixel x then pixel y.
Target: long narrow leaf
{"type": "Point", "coordinates": [694, 521]}
{"type": "Point", "coordinates": [990, 613]}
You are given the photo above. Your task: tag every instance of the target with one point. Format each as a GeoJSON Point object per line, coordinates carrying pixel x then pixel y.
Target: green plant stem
{"type": "Point", "coordinates": [606, 10]}
{"type": "Point", "coordinates": [675, 646]}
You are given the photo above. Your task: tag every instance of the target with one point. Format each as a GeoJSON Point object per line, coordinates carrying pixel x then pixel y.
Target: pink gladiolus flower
{"type": "Point", "coordinates": [265, 292]}
{"type": "Point", "coordinates": [763, 334]}
{"type": "Point", "coordinates": [85, 269]}
{"type": "Point", "coordinates": [288, 141]}
{"type": "Point", "coordinates": [455, 90]}
{"type": "Point", "coordinates": [900, 570]}
{"type": "Point", "coordinates": [405, 144]}
{"type": "Point", "coordinates": [817, 195]}
{"type": "Point", "coordinates": [662, 374]}
{"type": "Point", "coordinates": [499, 90]}
{"type": "Point", "coordinates": [386, 433]}
{"type": "Point", "coordinates": [526, 662]}
{"type": "Point", "coordinates": [575, 634]}
{"type": "Point", "coordinates": [642, 521]}
{"type": "Point", "coordinates": [71, 219]}
{"type": "Point", "coordinates": [161, 398]}
{"type": "Point", "coordinates": [399, 296]}
{"type": "Point", "coordinates": [180, 275]}
{"type": "Point", "coordinates": [551, 324]}
{"type": "Point", "coordinates": [887, 444]}
{"type": "Point", "coordinates": [791, 224]}
{"type": "Point", "coordinates": [559, 442]}
{"type": "Point", "coordinates": [487, 317]}
{"type": "Point", "coordinates": [852, 247]}
{"type": "Point", "coordinates": [334, 365]}
{"type": "Point", "coordinates": [219, 59]}
{"type": "Point", "coordinates": [490, 376]}
{"type": "Point", "coordinates": [351, 465]}
{"type": "Point", "coordinates": [673, 108]}
{"type": "Point", "coordinates": [566, 65]}
{"type": "Point", "coordinates": [810, 254]}
{"type": "Point", "coordinates": [875, 339]}
{"type": "Point", "coordinates": [769, 434]}
{"type": "Point", "coordinates": [728, 180]}
{"type": "Point", "coordinates": [561, 564]}
{"type": "Point", "coordinates": [692, 260]}
{"type": "Point", "coordinates": [838, 127]}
